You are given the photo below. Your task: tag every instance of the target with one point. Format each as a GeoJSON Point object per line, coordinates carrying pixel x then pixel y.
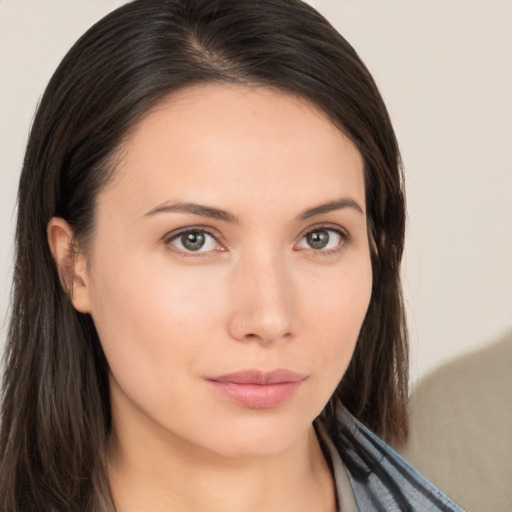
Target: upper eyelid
{"type": "Point", "coordinates": [175, 233]}
{"type": "Point", "coordinates": [216, 234]}
{"type": "Point", "coordinates": [327, 226]}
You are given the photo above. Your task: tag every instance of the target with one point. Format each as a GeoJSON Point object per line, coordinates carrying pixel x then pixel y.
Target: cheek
{"type": "Point", "coordinates": [145, 319]}
{"type": "Point", "coordinates": [340, 296]}
{"type": "Point", "coordinates": [337, 309]}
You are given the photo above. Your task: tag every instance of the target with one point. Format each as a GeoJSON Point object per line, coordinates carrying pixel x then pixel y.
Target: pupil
{"type": "Point", "coordinates": [193, 241]}
{"type": "Point", "coordinates": [318, 239]}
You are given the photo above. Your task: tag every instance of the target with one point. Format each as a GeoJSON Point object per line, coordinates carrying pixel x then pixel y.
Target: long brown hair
{"type": "Point", "coordinates": [56, 417]}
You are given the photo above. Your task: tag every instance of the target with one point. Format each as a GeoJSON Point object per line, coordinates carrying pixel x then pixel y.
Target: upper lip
{"type": "Point", "coordinates": [279, 376]}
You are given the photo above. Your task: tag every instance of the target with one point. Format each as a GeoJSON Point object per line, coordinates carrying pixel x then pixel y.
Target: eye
{"type": "Point", "coordinates": [322, 239]}
{"type": "Point", "coordinates": [193, 240]}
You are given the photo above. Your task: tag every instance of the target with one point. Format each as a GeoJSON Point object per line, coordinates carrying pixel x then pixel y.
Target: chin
{"type": "Point", "coordinates": [264, 434]}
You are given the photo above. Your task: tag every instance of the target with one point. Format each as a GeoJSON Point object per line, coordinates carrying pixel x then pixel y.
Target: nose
{"type": "Point", "coordinates": [262, 297]}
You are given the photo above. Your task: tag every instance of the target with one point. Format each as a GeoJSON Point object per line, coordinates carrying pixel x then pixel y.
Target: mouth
{"type": "Point", "coordinates": [258, 389]}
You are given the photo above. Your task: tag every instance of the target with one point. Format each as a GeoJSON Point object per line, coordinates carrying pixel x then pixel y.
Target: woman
{"type": "Point", "coordinates": [210, 227]}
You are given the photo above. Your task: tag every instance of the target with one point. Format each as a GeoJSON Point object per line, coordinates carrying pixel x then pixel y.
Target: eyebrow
{"type": "Point", "coordinates": [331, 206]}
{"type": "Point", "coordinates": [196, 209]}
{"type": "Point", "coordinates": [218, 214]}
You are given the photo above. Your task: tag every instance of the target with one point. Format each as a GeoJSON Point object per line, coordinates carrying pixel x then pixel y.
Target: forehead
{"type": "Point", "coordinates": [214, 143]}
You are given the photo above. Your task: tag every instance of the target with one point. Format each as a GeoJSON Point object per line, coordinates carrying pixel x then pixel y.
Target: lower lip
{"type": "Point", "coordinates": [257, 396]}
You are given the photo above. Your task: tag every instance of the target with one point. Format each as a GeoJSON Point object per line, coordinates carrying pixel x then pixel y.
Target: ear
{"type": "Point", "coordinates": [71, 265]}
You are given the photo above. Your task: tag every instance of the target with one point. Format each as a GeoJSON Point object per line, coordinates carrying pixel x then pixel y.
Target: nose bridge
{"type": "Point", "coordinates": [263, 297]}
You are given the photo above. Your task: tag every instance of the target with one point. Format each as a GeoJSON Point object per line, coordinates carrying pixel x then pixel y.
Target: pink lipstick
{"type": "Point", "coordinates": [257, 389]}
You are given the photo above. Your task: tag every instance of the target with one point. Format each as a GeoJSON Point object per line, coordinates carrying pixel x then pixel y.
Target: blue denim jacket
{"type": "Point", "coordinates": [383, 481]}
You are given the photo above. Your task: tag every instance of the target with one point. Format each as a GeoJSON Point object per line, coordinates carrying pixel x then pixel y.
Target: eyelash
{"type": "Point", "coordinates": [345, 239]}
{"type": "Point", "coordinates": [192, 229]}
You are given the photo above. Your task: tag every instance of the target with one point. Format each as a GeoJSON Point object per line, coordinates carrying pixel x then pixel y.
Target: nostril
{"type": "Point", "coordinates": [267, 337]}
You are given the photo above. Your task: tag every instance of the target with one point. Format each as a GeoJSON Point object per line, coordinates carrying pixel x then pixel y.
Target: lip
{"type": "Point", "coordinates": [258, 389]}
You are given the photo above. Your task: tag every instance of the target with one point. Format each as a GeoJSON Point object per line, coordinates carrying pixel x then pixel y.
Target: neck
{"type": "Point", "coordinates": [164, 474]}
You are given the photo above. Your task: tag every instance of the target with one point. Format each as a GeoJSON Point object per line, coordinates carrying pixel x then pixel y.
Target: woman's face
{"type": "Point", "coordinates": [229, 273]}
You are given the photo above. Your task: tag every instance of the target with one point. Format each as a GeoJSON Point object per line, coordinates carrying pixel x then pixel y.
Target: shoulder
{"type": "Point", "coordinates": [380, 478]}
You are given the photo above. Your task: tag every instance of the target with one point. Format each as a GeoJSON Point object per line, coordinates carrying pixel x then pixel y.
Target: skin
{"type": "Point", "coordinates": [257, 295]}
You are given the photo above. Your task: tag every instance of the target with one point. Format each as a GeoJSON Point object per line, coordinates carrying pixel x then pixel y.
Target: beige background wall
{"type": "Point", "coordinates": [445, 70]}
